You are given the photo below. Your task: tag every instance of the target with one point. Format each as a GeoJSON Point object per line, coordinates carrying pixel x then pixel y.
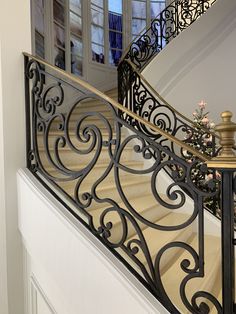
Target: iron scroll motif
{"type": "Point", "coordinates": [135, 95]}
{"type": "Point", "coordinates": [175, 18]}
{"type": "Point", "coordinates": [97, 143]}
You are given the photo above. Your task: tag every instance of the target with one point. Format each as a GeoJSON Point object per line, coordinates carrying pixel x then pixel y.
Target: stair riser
{"type": "Point", "coordinates": [170, 256]}
{"type": "Point", "coordinates": [75, 141]}
{"type": "Point", "coordinates": [95, 105]}
{"type": "Point", "coordinates": [131, 191]}
{"type": "Point", "coordinates": [96, 172]}
{"type": "Point", "coordinates": [117, 229]}
{"type": "Point", "coordinates": [72, 159]}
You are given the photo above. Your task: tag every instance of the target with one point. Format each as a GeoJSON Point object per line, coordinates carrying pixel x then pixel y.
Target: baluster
{"type": "Point", "coordinates": [225, 163]}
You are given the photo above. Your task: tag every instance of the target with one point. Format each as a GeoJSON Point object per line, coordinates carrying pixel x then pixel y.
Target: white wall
{"type": "Point", "coordinates": [14, 38]}
{"type": "Point", "coordinates": [69, 270]}
{"type": "Point", "coordinates": [200, 64]}
{"type": "Point", "coordinates": [3, 258]}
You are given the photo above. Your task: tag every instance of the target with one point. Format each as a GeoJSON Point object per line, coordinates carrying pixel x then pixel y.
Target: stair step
{"type": "Point", "coordinates": [101, 125]}
{"type": "Point", "coordinates": [93, 117]}
{"type": "Point", "coordinates": [93, 103]}
{"type": "Point", "coordinates": [54, 134]}
{"type": "Point", "coordinates": [211, 282]}
{"type": "Point", "coordinates": [145, 206]}
{"type": "Point", "coordinates": [131, 187]}
{"type": "Point", "coordinates": [112, 92]}
{"type": "Point", "coordinates": [70, 158]}
{"type": "Point", "coordinates": [156, 239]}
{"type": "Point", "coordinates": [96, 172]}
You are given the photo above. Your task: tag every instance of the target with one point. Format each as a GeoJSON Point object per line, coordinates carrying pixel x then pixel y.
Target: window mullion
{"type": "Point", "coordinates": [67, 36]}
{"type": "Point", "coordinates": [49, 32]}
{"type": "Point", "coordinates": [106, 32]}
{"type": "Point", "coordinates": [85, 36]}
{"type": "Point", "coordinates": [126, 27]}
{"type": "Point", "coordinates": [148, 14]}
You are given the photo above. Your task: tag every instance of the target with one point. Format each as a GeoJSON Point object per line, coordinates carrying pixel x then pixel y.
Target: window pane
{"type": "Point", "coordinates": [75, 6]}
{"type": "Point", "coordinates": [98, 2]}
{"type": "Point", "coordinates": [97, 16]}
{"type": "Point", "coordinates": [58, 12]}
{"type": "Point", "coordinates": [97, 34]}
{"type": "Point", "coordinates": [39, 16]}
{"type": "Point", "coordinates": [114, 56]}
{"type": "Point", "coordinates": [39, 45]}
{"type": "Point", "coordinates": [59, 36]}
{"type": "Point", "coordinates": [115, 21]}
{"type": "Point", "coordinates": [59, 57]}
{"type": "Point", "coordinates": [138, 26]}
{"type": "Point", "coordinates": [156, 8]}
{"type": "Point", "coordinates": [139, 9]}
{"type": "Point", "coordinates": [76, 46]}
{"type": "Point", "coordinates": [115, 40]}
{"type": "Point", "coordinates": [75, 24]}
{"type": "Point", "coordinates": [115, 6]}
{"type": "Point", "coordinates": [76, 65]}
{"type": "Point", "coordinates": [98, 53]}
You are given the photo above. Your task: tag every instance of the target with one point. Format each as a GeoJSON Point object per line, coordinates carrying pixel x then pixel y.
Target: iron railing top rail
{"type": "Point", "coordinates": [148, 28]}
{"type": "Point", "coordinates": [118, 106]}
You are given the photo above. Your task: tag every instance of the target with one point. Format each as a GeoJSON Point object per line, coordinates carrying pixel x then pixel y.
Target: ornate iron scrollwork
{"type": "Point", "coordinates": [96, 138]}
{"type": "Point", "coordinates": [136, 96]}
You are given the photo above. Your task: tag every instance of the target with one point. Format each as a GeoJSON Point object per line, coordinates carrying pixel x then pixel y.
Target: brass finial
{"type": "Point", "coordinates": [226, 130]}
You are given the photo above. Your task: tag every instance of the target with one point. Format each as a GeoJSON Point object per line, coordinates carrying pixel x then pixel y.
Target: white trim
{"type": "Point", "coordinates": [36, 290]}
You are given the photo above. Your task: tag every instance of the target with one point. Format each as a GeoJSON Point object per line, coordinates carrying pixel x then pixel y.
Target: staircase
{"type": "Point", "coordinates": [156, 226]}
{"type": "Point", "coordinates": [132, 179]}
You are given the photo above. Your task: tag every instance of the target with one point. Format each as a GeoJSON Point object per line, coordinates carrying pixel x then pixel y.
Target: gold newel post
{"type": "Point", "coordinates": [226, 130]}
{"type": "Point", "coordinates": [225, 164]}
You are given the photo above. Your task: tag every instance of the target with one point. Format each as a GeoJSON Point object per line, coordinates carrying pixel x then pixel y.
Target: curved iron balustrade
{"type": "Point", "coordinates": [175, 18]}
{"type": "Point", "coordinates": [136, 94]}
{"type": "Point", "coordinates": [52, 103]}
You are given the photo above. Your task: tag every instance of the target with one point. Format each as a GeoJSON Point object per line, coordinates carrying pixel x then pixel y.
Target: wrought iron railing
{"type": "Point", "coordinates": [137, 95]}
{"type": "Point", "coordinates": [175, 18]}
{"type": "Point", "coordinates": [79, 153]}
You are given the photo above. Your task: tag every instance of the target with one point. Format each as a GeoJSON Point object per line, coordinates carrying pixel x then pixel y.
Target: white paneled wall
{"type": "Point", "coordinates": [74, 272]}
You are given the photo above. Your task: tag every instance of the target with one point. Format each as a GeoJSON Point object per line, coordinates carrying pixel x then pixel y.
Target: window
{"type": "Point", "coordinates": [143, 11]}
{"type": "Point", "coordinates": [76, 44]}
{"type": "Point", "coordinates": [106, 31]}
{"type": "Point", "coordinates": [58, 33]}
{"type": "Point", "coordinates": [59, 29]}
{"type": "Point", "coordinates": [115, 31]}
{"type": "Point", "coordinates": [156, 7]}
{"type": "Point", "coordinates": [138, 17]}
{"type": "Point", "coordinates": [61, 38]}
{"type": "Point", "coordinates": [39, 29]}
{"type": "Point", "coordinates": [67, 25]}
{"type": "Point", "coordinates": [97, 31]}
